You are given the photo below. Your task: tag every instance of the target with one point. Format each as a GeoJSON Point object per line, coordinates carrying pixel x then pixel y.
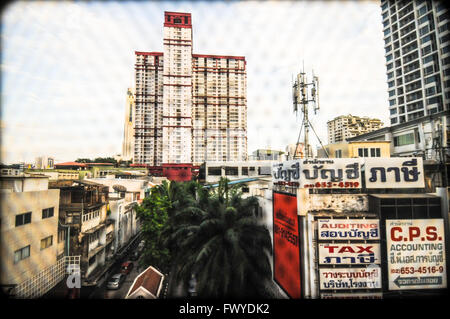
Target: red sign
{"type": "Point", "coordinates": [286, 243]}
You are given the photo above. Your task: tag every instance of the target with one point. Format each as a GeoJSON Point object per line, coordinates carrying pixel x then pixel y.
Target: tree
{"type": "Point", "coordinates": [219, 239]}
{"type": "Point", "coordinates": [153, 213]}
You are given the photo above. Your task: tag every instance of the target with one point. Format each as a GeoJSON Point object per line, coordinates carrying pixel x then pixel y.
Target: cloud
{"type": "Point", "coordinates": [66, 66]}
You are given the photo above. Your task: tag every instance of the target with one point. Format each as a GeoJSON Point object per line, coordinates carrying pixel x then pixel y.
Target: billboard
{"type": "Point", "coordinates": [345, 173]}
{"type": "Point", "coordinates": [319, 173]}
{"type": "Point", "coordinates": [395, 172]}
{"type": "Point", "coordinates": [349, 254]}
{"type": "Point", "coordinates": [416, 254]}
{"type": "Point", "coordinates": [348, 229]}
{"type": "Point", "coordinates": [286, 243]}
{"type": "Point", "coordinates": [350, 278]}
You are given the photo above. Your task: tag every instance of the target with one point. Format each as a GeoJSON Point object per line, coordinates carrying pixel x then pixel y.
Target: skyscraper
{"type": "Point", "coordinates": [127, 146]}
{"type": "Point", "coordinates": [189, 108]}
{"type": "Point", "coordinates": [417, 44]}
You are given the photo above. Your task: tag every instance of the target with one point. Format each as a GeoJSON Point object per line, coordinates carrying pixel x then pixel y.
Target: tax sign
{"type": "Point", "coordinates": [349, 254]}
{"type": "Point", "coordinates": [416, 254]}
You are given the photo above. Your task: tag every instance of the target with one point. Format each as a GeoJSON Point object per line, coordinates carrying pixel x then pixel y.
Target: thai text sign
{"type": "Point", "coordinates": [394, 172]}
{"type": "Point", "coordinates": [319, 173]}
{"type": "Point", "coordinates": [349, 254]}
{"type": "Point", "coordinates": [286, 243]}
{"type": "Point", "coordinates": [349, 229]}
{"type": "Point", "coordinates": [350, 278]}
{"type": "Point", "coordinates": [416, 254]}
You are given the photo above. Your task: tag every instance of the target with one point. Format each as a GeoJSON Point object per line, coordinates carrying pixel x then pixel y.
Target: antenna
{"type": "Point", "coordinates": [302, 97]}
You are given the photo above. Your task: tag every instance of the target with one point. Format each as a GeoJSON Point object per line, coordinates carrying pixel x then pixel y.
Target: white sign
{"type": "Point", "coordinates": [349, 254]}
{"type": "Point", "coordinates": [319, 173]}
{"type": "Point", "coordinates": [394, 172]}
{"type": "Point", "coordinates": [416, 254]}
{"type": "Point", "coordinates": [349, 229]}
{"type": "Point", "coordinates": [350, 278]}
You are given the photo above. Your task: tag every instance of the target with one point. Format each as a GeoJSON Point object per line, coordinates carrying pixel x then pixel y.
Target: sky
{"type": "Point", "coordinates": [66, 67]}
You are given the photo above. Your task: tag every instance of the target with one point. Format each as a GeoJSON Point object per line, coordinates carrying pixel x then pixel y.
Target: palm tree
{"type": "Point", "coordinates": [220, 240]}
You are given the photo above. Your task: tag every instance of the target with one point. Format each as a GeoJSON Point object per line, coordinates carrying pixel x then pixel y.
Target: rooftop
{"type": "Point", "coordinates": [150, 279]}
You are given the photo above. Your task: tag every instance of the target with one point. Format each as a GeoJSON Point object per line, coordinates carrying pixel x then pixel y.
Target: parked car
{"type": "Point", "coordinates": [116, 281]}
{"type": "Point", "coordinates": [135, 255]}
{"type": "Point", "coordinates": [126, 267]}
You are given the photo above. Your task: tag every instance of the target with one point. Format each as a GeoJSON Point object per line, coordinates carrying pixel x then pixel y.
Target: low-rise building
{"type": "Point", "coordinates": [355, 149]}
{"type": "Point", "coordinates": [31, 241]}
{"type": "Point", "coordinates": [147, 285]}
{"type": "Point", "coordinates": [83, 208]}
{"type": "Point", "coordinates": [124, 194]}
{"type": "Point", "coordinates": [427, 137]}
{"type": "Point", "coordinates": [211, 172]}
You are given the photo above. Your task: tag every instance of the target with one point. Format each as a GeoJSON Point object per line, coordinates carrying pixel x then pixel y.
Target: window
{"type": "Point", "coordinates": [424, 30]}
{"type": "Point", "coordinates": [405, 139]}
{"type": "Point", "coordinates": [48, 212]}
{"type": "Point", "coordinates": [214, 171]}
{"type": "Point", "coordinates": [375, 152]}
{"type": "Point", "coordinates": [92, 260]}
{"type": "Point", "coordinates": [363, 152]}
{"type": "Point", "coordinates": [422, 11]}
{"type": "Point", "coordinates": [338, 153]}
{"type": "Point", "coordinates": [62, 235]}
{"type": "Point", "coordinates": [23, 219]}
{"type": "Point", "coordinates": [21, 254]}
{"type": "Point", "coordinates": [46, 242]}
{"type": "Point", "coordinates": [231, 171]}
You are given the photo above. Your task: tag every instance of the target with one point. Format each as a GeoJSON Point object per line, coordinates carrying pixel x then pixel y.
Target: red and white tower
{"type": "Point", "coordinates": [190, 108]}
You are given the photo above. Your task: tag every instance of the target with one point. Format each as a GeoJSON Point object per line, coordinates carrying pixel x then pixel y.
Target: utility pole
{"type": "Point", "coordinates": [302, 97]}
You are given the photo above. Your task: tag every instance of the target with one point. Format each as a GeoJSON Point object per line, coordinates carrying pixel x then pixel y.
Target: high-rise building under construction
{"type": "Point", "coordinates": [189, 108]}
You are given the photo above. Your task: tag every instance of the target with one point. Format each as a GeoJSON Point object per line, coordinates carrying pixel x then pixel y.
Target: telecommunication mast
{"type": "Point", "coordinates": [304, 94]}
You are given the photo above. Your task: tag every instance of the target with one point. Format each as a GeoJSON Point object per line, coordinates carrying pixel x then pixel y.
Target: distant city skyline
{"type": "Point", "coordinates": [66, 67]}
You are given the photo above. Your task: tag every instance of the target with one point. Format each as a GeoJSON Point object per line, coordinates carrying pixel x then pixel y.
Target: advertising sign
{"type": "Point", "coordinates": [350, 278]}
{"type": "Point", "coordinates": [416, 254]}
{"type": "Point", "coordinates": [286, 243]}
{"type": "Point", "coordinates": [319, 173]}
{"type": "Point", "coordinates": [349, 229]}
{"type": "Point", "coordinates": [345, 173]}
{"type": "Point", "coordinates": [349, 254]}
{"type": "Point", "coordinates": [395, 172]}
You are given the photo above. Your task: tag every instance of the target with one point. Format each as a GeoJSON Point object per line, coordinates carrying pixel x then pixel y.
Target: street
{"type": "Point", "coordinates": [102, 292]}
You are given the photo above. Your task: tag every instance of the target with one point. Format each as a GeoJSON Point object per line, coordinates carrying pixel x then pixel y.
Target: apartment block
{"type": "Point", "coordinates": [417, 45]}
{"type": "Point", "coordinates": [346, 126]}
{"type": "Point", "coordinates": [189, 108]}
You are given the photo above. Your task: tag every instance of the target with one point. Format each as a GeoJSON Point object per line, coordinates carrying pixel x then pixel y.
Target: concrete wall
{"type": "Point", "coordinates": [14, 238]}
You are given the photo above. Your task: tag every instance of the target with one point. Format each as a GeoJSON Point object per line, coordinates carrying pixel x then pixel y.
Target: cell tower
{"type": "Point", "coordinates": [302, 98]}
